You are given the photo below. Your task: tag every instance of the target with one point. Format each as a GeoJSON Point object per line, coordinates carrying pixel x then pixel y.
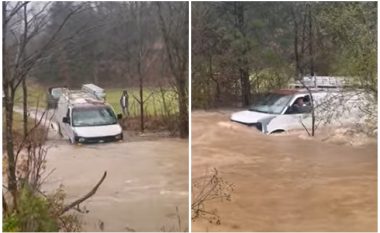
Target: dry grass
{"type": "Point", "coordinates": [152, 124]}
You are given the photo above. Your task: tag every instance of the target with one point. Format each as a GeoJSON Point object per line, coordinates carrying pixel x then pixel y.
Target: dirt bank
{"type": "Point", "coordinates": [146, 181]}
{"type": "Point", "coordinates": [285, 183]}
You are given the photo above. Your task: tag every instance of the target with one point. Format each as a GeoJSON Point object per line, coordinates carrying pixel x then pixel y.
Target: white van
{"type": "Point", "coordinates": [83, 118]}
{"type": "Point", "coordinates": [290, 109]}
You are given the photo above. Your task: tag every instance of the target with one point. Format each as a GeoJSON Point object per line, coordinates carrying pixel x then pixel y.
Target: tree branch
{"type": "Point", "coordinates": [85, 197]}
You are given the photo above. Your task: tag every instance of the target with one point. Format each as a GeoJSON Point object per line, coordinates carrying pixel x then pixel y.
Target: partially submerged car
{"type": "Point", "coordinates": [83, 118]}
{"type": "Point", "coordinates": [53, 96]}
{"type": "Point", "coordinates": [290, 109]}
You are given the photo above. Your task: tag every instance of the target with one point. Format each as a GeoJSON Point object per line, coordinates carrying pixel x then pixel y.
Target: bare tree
{"type": "Point", "coordinates": [134, 43]}
{"type": "Point", "coordinates": [300, 58]}
{"type": "Point", "coordinates": [173, 20]}
{"type": "Point", "coordinates": [20, 55]}
{"type": "Point", "coordinates": [143, 56]}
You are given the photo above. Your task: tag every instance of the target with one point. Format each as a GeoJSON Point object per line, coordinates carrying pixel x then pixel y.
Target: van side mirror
{"type": "Point", "coordinates": [66, 120]}
{"type": "Point", "coordinates": [119, 116]}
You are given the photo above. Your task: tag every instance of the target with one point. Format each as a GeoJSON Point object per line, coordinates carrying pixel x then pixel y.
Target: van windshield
{"type": "Point", "coordinates": [272, 103]}
{"type": "Point", "coordinates": [93, 116]}
{"type": "Point", "coordinates": [56, 92]}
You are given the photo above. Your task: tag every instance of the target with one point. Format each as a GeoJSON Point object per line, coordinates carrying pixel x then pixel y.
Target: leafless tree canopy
{"type": "Point", "coordinates": [241, 49]}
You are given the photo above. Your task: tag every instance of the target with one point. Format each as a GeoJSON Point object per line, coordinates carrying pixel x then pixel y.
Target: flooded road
{"type": "Point", "coordinates": [284, 183]}
{"type": "Point", "coordinates": [146, 181]}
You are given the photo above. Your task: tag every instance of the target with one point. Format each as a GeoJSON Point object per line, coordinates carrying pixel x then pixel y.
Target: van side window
{"type": "Point", "coordinates": [300, 105]}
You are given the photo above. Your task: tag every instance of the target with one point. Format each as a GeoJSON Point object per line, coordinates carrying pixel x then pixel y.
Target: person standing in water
{"type": "Point", "coordinates": [124, 102]}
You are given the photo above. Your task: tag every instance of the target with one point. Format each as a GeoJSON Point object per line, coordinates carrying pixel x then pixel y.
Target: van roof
{"type": "Point", "coordinates": [292, 91]}
{"type": "Point", "coordinates": [82, 98]}
{"type": "Point", "coordinates": [324, 82]}
{"type": "Point", "coordinates": [92, 87]}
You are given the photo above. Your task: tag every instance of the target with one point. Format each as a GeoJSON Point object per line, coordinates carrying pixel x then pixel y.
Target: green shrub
{"type": "Point", "coordinates": [33, 214]}
{"type": "Point", "coordinates": [11, 223]}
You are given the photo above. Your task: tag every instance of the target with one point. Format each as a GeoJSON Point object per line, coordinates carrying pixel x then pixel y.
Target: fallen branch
{"type": "Point", "coordinates": [85, 197]}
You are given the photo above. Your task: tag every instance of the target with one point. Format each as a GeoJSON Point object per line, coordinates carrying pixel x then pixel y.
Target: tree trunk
{"type": "Point", "coordinates": [5, 207]}
{"type": "Point", "coordinates": [311, 69]}
{"type": "Point", "coordinates": [311, 43]}
{"type": "Point", "coordinates": [141, 102]}
{"type": "Point", "coordinates": [96, 76]}
{"type": "Point", "coordinates": [24, 88]}
{"type": "Point", "coordinates": [245, 86]}
{"type": "Point", "coordinates": [183, 108]}
{"type": "Point", "coordinates": [218, 100]}
{"type": "Point", "coordinates": [64, 69]}
{"type": "Point", "coordinates": [25, 107]}
{"type": "Point", "coordinates": [243, 66]}
{"type": "Point", "coordinates": [298, 70]}
{"type": "Point", "coordinates": [8, 101]}
{"type": "Point", "coordinates": [217, 85]}
{"type": "Point", "coordinates": [12, 181]}
{"type": "Point", "coordinates": [209, 100]}
{"type": "Point", "coordinates": [139, 68]}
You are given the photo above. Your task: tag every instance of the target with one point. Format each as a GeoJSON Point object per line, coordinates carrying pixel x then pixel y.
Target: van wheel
{"type": "Point", "coordinates": [278, 131]}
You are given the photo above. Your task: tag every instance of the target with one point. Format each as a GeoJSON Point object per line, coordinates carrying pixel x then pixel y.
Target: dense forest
{"type": "Point", "coordinates": [110, 44]}
{"type": "Point", "coordinates": [240, 49]}
{"type": "Point", "coordinates": [107, 43]}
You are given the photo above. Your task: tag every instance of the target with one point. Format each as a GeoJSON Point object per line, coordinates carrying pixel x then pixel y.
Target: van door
{"type": "Point", "coordinates": [296, 116]}
{"type": "Point", "coordinates": [293, 117]}
{"type": "Point", "coordinates": [67, 127]}
{"type": "Point", "coordinates": [70, 125]}
{"type": "Point", "coordinates": [300, 111]}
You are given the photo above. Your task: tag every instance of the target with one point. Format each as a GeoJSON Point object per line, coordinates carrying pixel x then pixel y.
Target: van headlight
{"type": "Point", "coordinates": [119, 136]}
{"type": "Point", "coordinates": [81, 139]}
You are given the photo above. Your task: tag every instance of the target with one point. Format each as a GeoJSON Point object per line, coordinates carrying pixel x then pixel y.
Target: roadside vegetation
{"type": "Point", "coordinates": [18, 126]}
{"type": "Point", "coordinates": [255, 47]}
{"type": "Point", "coordinates": [36, 96]}
{"type": "Point", "coordinates": [158, 101]}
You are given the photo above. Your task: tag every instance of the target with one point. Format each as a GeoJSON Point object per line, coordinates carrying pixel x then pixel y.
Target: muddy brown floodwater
{"type": "Point", "coordinates": [146, 181]}
{"type": "Point", "coordinates": [284, 183]}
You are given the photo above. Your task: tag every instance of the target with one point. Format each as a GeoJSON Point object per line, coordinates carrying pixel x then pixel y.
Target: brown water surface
{"type": "Point", "coordinates": [146, 182]}
{"type": "Point", "coordinates": [284, 183]}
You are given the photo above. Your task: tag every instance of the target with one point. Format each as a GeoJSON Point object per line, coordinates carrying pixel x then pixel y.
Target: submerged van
{"type": "Point", "coordinates": [83, 118]}
{"type": "Point", "coordinates": [289, 109]}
